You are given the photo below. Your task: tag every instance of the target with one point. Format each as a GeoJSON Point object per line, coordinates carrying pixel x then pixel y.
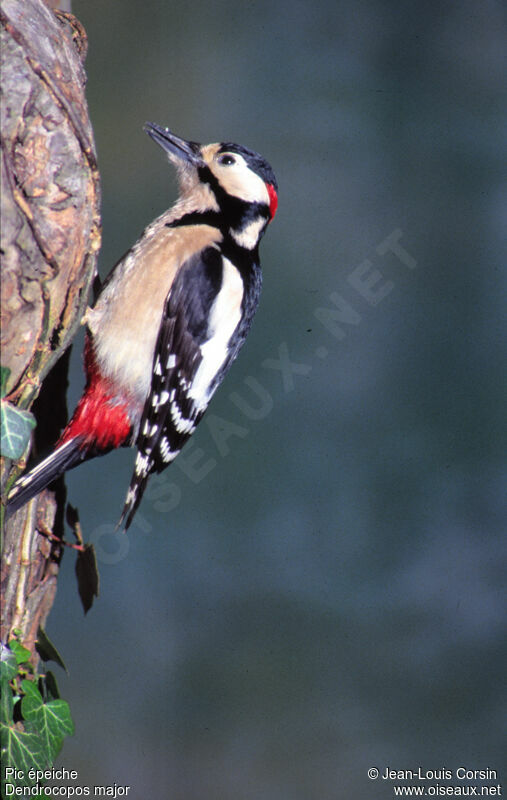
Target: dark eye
{"type": "Point", "coordinates": [227, 160]}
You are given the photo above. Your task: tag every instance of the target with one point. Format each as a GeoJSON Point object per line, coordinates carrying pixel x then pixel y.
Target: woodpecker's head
{"type": "Point", "coordinates": [223, 177]}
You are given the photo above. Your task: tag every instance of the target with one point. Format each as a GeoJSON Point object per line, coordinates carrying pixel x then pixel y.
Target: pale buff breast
{"type": "Point", "coordinates": [126, 319]}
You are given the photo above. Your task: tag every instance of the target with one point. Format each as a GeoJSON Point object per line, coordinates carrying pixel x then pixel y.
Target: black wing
{"type": "Point", "coordinates": [170, 415]}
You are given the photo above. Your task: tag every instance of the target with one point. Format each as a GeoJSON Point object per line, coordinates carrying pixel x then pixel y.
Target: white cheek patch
{"type": "Point", "coordinates": [224, 318]}
{"type": "Point", "coordinates": [240, 181]}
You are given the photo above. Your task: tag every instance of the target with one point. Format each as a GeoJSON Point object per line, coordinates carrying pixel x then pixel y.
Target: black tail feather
{"type": "Point", "coordinates": [132, 501]}
{"type": "Point", "coordinates": [68, 455]}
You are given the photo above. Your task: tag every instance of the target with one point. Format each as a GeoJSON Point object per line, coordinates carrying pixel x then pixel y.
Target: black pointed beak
{"type": "Point", "coordinates": [173, 145]}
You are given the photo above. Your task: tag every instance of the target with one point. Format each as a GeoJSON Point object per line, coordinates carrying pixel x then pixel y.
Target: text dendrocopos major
{"type": "Point", "coordinates": [170, 319]}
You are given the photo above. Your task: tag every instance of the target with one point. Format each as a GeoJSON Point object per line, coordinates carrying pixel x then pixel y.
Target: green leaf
{"type": "Point", "coordinates": [22, 654]}
{"type": "Point", "coordinates": [47, 650]}
{"type": "Point", "coordinates": [52, 719]}
{"type": "Point", "coordinates": [4, 377]}
{"type": "Point", "coordinates": [16, 429]}
{"type": "Point", "coordinates": [32, 698]}
{"type": "Point", "coordinates": [87, 574]}
{"type": "Point", "coordinates": [22, 750]}
{"type": "Point", "coordinates": [6, 702]}
{"type": "Point", "coordinates": [8, 664]}
{"type": "Point", "coordinates": [50, 686]}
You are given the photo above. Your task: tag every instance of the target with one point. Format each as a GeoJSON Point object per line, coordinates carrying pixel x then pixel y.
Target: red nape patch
{"type": "Point", "coordinates": [273, 199]}
{"type": "Point", "coordinates": [98, 418]}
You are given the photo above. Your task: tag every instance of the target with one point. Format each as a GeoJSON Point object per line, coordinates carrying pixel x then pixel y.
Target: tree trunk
{"type": "Point", "coordinates": [50, 240]}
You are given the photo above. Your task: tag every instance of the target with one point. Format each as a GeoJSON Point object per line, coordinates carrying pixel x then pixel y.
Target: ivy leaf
{"type": "Point", "coordinates": [52, 719]}
{"type": "Point", "coordinates": [50, 686]}
{"type": "Point", "coordinates": [6, 702]}
{"type": "Point", "coordinates": [8, 664]}
{"type": "Point", "coordinates": [87, 574]}
{"type": "Point", "coordinates": [32, 699]}
{"type": "Point", "coordinates": [22, 750]}
{"type": "Point", "coordinates": [16, 426]}
{"type": "Point", "coordinates": [47, 650]}
{"type": "Point", "coordinates": [21, 654]}
{"type": "Point", "coordinates": [4, 377]}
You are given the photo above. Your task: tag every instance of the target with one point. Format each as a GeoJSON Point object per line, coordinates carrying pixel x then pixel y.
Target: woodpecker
{"type": "Point", "coordinates": [170, 318]}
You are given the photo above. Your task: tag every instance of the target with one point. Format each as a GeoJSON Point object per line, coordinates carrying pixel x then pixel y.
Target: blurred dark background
{"type": "Point", "coordinates": [318, 588]}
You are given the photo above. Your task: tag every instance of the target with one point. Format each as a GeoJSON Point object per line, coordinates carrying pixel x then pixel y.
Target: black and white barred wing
{"type": "Point", "coordinates": [192, 347]}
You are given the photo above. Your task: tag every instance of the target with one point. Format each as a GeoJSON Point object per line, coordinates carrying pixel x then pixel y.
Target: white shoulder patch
{"type": "Point", "coordinates": [224, 318]}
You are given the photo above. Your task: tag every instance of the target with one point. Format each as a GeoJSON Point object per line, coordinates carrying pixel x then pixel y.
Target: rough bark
{"type": "Point", "coordinates": [50, 238]}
